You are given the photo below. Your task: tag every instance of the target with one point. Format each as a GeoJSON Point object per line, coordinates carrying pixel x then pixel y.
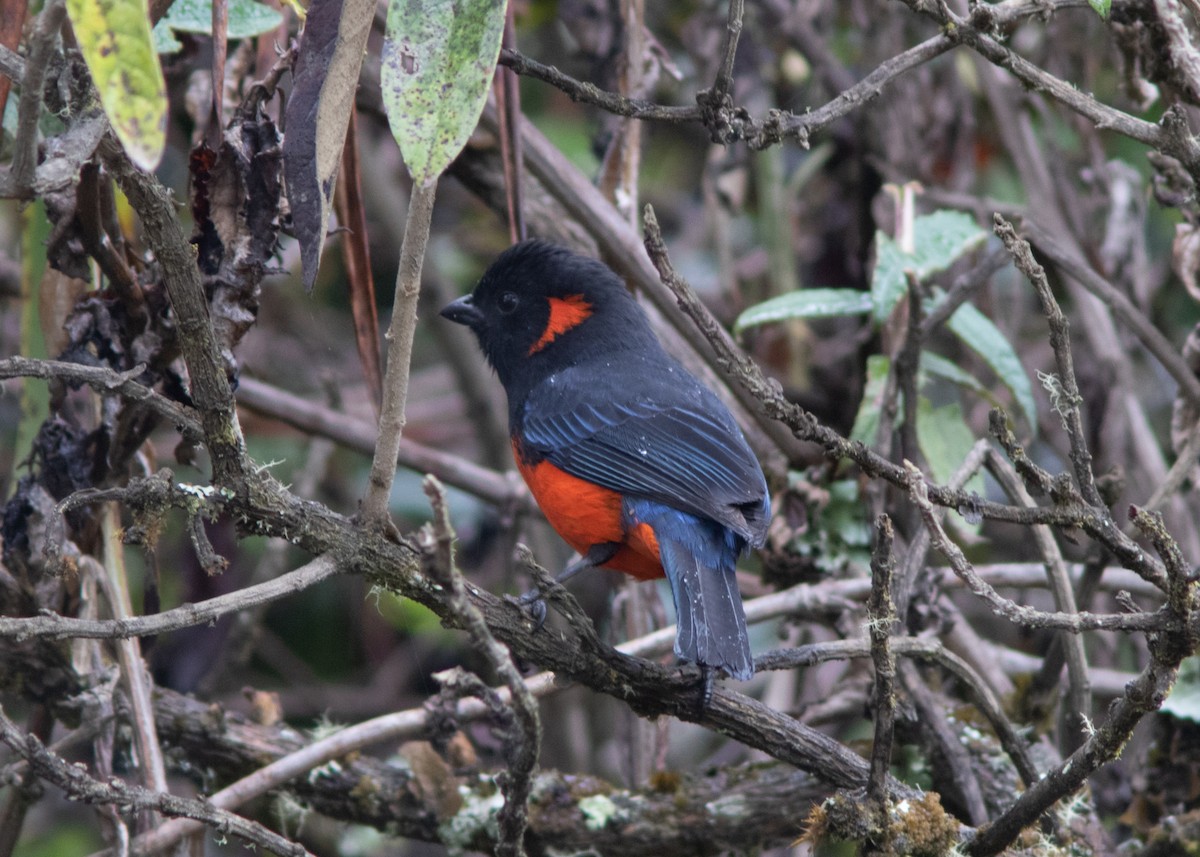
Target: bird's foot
{"type": "Point", "coordinates": [534, 602]}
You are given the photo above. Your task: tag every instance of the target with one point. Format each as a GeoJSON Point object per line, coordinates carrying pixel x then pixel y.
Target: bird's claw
{"type": "Point", "coordinates": [533, 602]}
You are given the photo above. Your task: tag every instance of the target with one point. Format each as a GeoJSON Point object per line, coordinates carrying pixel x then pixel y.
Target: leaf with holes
{"type": "Point", "coordinates": [114, 38]}
{"type": "Point", "coordinates": [438, 60]}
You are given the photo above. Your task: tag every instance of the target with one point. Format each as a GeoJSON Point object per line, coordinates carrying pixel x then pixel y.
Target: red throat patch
{"type": "Point", "coordinates": [565, 314]}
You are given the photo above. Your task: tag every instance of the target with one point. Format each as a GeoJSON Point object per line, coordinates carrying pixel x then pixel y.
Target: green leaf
{"type": "Point", "coordinates": [246, 18]}
{"type": "Point", "coordinates": [935, 364]}
{"type": "Point", "coordinates": [806, 303]}
{"type": "Point", "coordinates": [164, 38]}
{"type": "Point", "coordinates": [1184, 700]}
{"type": "Point", "coordinates": [866, 422]}
{"type": "Point", "coordinates": [114, 38]}
{"type": "Point", "coordinates": [1102, 7]}
{"type": "Point", "coordinates": [938, 240]}
{"type": "Point", "coordinates": [945, 439]}
{"type": "Point", "coordinates": [438, 60]}
{"type": "Point", "coordinates": [976, 331]}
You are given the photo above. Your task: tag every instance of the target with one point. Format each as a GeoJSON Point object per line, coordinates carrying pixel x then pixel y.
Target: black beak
{"type": "Point", "coordinates": [463, 311]}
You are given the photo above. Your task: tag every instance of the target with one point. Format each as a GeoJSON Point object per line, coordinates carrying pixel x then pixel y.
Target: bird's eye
{"type": "Point", "coordinates": [507, 302]}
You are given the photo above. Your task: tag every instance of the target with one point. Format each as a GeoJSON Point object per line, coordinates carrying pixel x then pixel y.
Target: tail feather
{"type": "Point", "coordinates": [711, 622]}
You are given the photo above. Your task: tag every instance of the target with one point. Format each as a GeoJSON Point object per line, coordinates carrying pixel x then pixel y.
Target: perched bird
{"type": "Point", "coordinates": [636, 464]}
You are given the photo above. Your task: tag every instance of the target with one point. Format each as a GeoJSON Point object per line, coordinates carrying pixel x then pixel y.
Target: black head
{"type": "Point", "coordinates": [540, 307]}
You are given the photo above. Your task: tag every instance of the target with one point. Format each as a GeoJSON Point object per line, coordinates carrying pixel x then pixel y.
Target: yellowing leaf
{"type": "Point", "coordinates": [438, 60]}
{"type": "Point", "coordinates": [114, 37]}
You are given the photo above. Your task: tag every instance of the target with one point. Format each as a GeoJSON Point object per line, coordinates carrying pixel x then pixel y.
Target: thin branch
{"type": "Point", "coordinates": [1166, 137]}
{"type": "Point", "coordinates": [1078, 703]}
{"type": "Point", "coordinates": [1142, 696]}
{"type": "Point", "coordinates": [107, 381]}
{"type": "Point", "coordinates": [881, 617]}
{"type": "Point", "coordinates": [1019, 614]}
{"type": "Point", "coordinates": [42, 50]}
{"type": "Point", "coordinates": [1164, 351]}
{"type": "Point", "coordinates": [769, 396]}
{"type": "Point", "coordinates": [588, 93]}
{"type": "Point", "coordinates": [114, 583]}
{"type": "Point", "coordinates": [79, 785]}
{"type": "Point", "coordinates": [315, 418]}
{"type": "Point", "coordinates": [1066, 405]}
{"type": "Point", "coordinates": [926, 649]}
{"type": "Point", "coordinates": [54, 627]}
{"type": "Point", "coordinates": [524, 732]}
{"type": "Point", "coordinates": [400, 333]}
{"type": "Point", "coordinates": [209, 386]}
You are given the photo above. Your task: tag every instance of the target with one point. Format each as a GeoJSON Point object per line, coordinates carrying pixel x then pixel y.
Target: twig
{"type": "Point", "coordinates": [588, 93]}
{"type": "Point", "coordinates": [1164, 351]}
{"type": "Point", "coordinates": [79, 785]}
{"type": "Point", "coordinates": [107, 381]}
{"type": "Point", "coordinates": [962, 289]}
{"type": "Point", "coordinates": [730, 124]}
{"type": "Point", "coordinates": [508, 108]}
{"type": "Point", "coordinates": [209, 386]}
{"type": "Point", "coordinates": [375, 514]}
{"type": "Point", "coordinates": [54, 627]}
{"type": "Point", "coordinates": [1019, 614]}
{"type": "Point", "coordinates": [1078, 703]}
{"type": "Point", "coordinates": [356, 251]}
{"type": "Point", "coordinates": [769, 396]}
{"type": "Point", "coordinates": [1142, 696]}
{"type": "Point", "coordinates": [1068, 402]}
{"type": "Point", "coordinates": [881, 616]}
{"type": "Point", "coordinates": [908, 361]}
{"type": "Point", "coordinates": [42, 49]}
{"type": "Point", "coordinates": [724, 123]}
{"type": "Point", "coordinates": [524, 733]}
{"type": "Point", "coordinates": [1181, 146]}
{"type": "Point", "coordinates": [12, 64]}
{"type": "Point", "coordinates": [925, 649]}
{"type": "Point", "coordinates": [114, 583]}
{"type": "Point", "coordinates": [918, 546]}
{"type": "Point", "coordinates": [315, 418]}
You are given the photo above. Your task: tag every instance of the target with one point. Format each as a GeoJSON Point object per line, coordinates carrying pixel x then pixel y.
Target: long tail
{"type": "Point", "coordinates": [699, 557]}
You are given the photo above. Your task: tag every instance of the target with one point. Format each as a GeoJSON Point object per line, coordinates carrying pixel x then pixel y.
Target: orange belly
{"type": "Point", "coordinates": [585, 515]}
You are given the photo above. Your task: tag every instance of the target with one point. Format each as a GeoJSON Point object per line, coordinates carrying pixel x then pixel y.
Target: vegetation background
{"type": "Point", "coordinates": [848, 186]}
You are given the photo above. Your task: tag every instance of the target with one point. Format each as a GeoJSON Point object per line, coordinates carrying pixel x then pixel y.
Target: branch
{"type": "Point", "coordinates": [43, 45]}
{"type": "Point", "coordinates": [881, 616]}
{"type": "Point", "coordinates": [54, 627]}
{"type": "Point", "coordinates": [314, 418]}
{"type": "Point", "coordinates": [79, 785]}
{"type": "Point", "coordinates": [771, 402]}
{"type": "Point", "coordinates": [519, 718]}
{"type": "Point", "coordinates": [209, 387]}
{"type": "Point", "coordinates": [375, 513]}
{"type": "Point", "coordinates": [108, 381]}
{"type": "Point", "coordinates": [1019, 614]}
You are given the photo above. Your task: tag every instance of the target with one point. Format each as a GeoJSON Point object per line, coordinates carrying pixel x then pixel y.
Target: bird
{"type": "Point", "coordinates": [634, 462]}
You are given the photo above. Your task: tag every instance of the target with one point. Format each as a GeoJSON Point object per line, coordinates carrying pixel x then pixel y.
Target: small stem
{"type": "Point", "coordinates": [881, 617]}
{"type": "Point", "coordinates": [399, 359]}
